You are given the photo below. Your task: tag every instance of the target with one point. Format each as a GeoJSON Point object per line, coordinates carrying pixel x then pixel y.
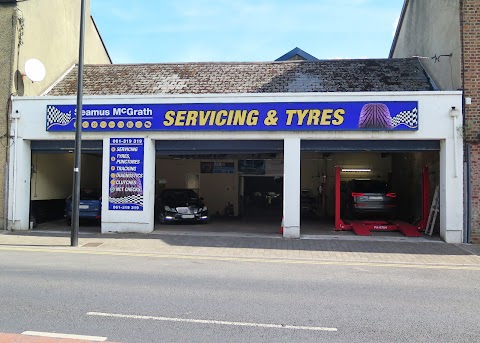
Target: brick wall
{"type": "Point", "coordinates": [470, 33]}
{"type": "Point", "coordinates": [475, 191]}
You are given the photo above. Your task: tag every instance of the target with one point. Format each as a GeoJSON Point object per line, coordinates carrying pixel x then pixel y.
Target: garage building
{"type": "Point", "coordinates": [253, 139]}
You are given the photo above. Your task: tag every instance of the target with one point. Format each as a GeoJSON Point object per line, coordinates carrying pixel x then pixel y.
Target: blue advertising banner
{"type": "Point", "coordinates": [274, 116]}
{"type": "Point", "coordinates": [126, 174]}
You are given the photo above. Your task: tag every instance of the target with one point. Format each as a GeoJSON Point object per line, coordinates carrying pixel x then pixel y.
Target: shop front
{"type": "Point", "coordinates": [239, 152]}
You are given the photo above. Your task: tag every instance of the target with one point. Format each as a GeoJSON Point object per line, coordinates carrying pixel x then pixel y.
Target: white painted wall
{"type": "Point", "coordinates": [435, 123]}
{"type": "Point", "coordinates": [19, 201]}
{"type": "Point", "coordinates": [291, 188]}
{"type": "Point", "coordinates": [52, 176]}
{"type": "Point", "coordinates": [218, 190]}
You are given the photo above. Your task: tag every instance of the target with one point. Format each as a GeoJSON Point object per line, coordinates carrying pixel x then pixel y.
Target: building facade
{"type": "Point", "coordinates": [218, 127]}
{"type": "Point", "coordinates": [446, 36]}
{"type": "Point", "coordinates": [46, 30]}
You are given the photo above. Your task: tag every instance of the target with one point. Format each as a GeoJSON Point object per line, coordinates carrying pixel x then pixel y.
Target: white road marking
{"type": "Point", "coordinates": [216, 322]}
{"type": "Point", "coordinates": [64, 335]}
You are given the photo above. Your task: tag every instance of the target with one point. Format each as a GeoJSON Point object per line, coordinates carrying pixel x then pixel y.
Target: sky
{"type": "Point", "coordinates": [162, 31]}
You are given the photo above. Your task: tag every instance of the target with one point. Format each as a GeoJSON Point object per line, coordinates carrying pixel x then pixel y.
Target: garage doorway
{"type": "Point", "coordinates": [262, 197]}
{"type": "Point", "coordinates": [225, 170]}
{"type": "Point", "coordinates": [52, 181]}
{"type": "Point", "coordinates": [397, 164]}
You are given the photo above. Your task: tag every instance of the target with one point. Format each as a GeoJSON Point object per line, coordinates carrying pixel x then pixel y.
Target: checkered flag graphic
{"type": "Point", "coordinates": [407, 118]}
{"type": "Point", "coordinates": [57, 117]}
{"type": "Point", "coordinates": [131, 199]}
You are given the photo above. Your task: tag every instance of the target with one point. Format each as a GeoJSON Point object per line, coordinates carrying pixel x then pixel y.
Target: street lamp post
{"type": "Point", "coordinates": [78, 133]}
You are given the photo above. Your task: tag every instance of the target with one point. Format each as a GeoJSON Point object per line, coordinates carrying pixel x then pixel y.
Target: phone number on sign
{"type": "Point", "coordinates": [127, 141]}
{"type": "Point", "coordinates": [126, 207]}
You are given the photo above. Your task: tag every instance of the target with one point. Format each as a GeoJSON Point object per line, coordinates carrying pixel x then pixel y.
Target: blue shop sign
{"type": "Point", "coordinates": [264, 116]}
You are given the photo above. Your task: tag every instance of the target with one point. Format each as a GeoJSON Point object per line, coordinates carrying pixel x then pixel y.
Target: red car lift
{"type": "Point", "coordinates": [364, 227]}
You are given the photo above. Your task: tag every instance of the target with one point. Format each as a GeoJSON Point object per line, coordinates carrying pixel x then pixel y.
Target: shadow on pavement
{"type": "Point", "coordinates": [229, 234]}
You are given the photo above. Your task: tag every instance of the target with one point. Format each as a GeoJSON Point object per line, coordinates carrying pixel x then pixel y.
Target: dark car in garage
{"type": "Point", "coordinates": [369, 199]}
{"type": "Point", "coordinates": [180, 205]}
{"type": "Point", "coordinates": [89, 208]}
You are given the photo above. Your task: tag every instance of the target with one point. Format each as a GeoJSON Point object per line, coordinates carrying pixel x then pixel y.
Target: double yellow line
{"type": "Point", "coordinates": [471, 267]}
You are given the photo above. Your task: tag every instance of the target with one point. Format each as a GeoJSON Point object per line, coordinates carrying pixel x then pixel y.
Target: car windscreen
{"type": "Point", "coordinates": [370, 186]}
{"type": "Point", "coordinates": [181, 195]}
{"type": "Point", "coordinates": [89, 195]}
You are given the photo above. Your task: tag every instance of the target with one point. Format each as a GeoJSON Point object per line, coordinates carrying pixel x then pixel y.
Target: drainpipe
{"type": "Point", "coordinates": [5, 198]}
{"type": "Point", "coordinates": [468, 195]}
{"type": "Point", "coordinates": [15, 116]}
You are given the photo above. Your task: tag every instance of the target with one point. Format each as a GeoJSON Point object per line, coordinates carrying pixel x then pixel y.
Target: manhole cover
{"type": "Point", "coordinates": [91, 245]}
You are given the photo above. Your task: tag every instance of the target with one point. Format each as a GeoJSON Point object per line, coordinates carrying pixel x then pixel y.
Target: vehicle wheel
{"type": "Point", "coordinates": [161, 218]}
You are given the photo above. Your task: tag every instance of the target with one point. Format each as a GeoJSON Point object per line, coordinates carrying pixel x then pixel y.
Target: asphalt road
{"type": "Point", "coordinates": [150, 299]}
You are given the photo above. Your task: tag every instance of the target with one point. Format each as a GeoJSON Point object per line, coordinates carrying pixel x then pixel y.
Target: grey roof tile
{"type": "Point", "coordinates": [366, 75]}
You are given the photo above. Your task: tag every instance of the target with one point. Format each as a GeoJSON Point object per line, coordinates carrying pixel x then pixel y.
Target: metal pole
{"type": "Point", "coordinates": [468, 196]}
{"type": "Point", "coordinates": [455, 154]}
{"type": "Point", "coordinates": [5, 207]}
{"type": "Point", "coordinates": [78, 133]}
{"type": "Point", "coordinates": [14, 188]}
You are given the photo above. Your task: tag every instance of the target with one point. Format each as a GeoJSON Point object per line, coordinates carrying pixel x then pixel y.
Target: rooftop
{"type": "Point", "coordinates": [363, 75]}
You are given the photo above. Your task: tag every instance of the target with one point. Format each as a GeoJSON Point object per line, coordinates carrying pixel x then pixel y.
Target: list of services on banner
{"type": "Point", "coordinates": [126, 174]}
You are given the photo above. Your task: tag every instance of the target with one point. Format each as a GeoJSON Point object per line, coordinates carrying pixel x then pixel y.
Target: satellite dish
{"type": "Point", "coordinates": [34, 70]}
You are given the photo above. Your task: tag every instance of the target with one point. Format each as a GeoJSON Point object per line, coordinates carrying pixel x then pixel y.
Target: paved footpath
{"type": "Point", "coordinates": [185, 244]}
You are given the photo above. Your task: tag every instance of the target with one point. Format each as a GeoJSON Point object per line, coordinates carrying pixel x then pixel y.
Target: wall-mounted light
{"type": "Point", "coordinates": [355, 170]}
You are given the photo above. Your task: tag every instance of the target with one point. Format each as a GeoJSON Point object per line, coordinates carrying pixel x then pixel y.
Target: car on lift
{"type": "Point", "coordinates": [369, 199]}
{"type": "Point", "coordinates": [89, 208]}
{"type": "Point", "coordinates": [180, 205]}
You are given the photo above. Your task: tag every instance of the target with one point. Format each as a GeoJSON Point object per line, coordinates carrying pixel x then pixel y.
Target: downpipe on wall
{"type": "Point", "coordinates": [16, 116]}
{"type": "Point", "coordinates": [467, 197]}
{"type": "Point", "coordinates": [5, 197]}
